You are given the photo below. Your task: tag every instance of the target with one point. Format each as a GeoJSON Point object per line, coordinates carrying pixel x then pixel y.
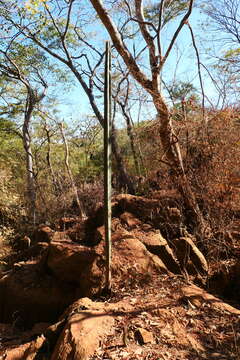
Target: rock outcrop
{"type": "Point", "coordinates": [87, 324]}
{"type": "Point", "coordinates": [39, 290]}
{"type": "Point", "coordinates": [50, 275]}
{"type": "Point", "coordinates": [199, 297]}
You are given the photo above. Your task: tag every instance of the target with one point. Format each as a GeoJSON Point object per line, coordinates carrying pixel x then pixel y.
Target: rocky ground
{"type": "Point", "coordinates": [167, 302]}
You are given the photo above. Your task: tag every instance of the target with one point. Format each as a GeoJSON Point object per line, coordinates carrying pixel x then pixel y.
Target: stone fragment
{"type": "Point", "coordinates": [33, 295]}
{"type": "Point", "coordinates": [157, 245]}
{"type": "Point", "coordinates": [130, 220]}
{"type": "Point", "coordinates": [42, 234]}
{"type": "Point", "coordinates": [144, 336]}
{"type": "Point", "coordinates": [33, 349]}
{"type": "Point", "coordinates": [193, 293]}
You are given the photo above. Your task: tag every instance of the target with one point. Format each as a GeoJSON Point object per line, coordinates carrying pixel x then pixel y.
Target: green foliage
{"type": "Point", "coordinates": [232, 53]}
{"type": "Point", "coordinates": [12, 161]}
{"type": "Point", "coordinates": [181, 90]}
{"type": "Point", "coordinates": [50, 35]}
{"type": "Point", "coordinates": [8, 129]}
{"type": "Point", "coordinates": [171, 10]}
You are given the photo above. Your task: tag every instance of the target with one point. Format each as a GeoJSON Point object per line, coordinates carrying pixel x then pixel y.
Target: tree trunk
{"type": "Point", "coordinates": [66, 160]}
{"type": "Point", "coordinates": [107, 166]}
{"type": "Point", "coordinates": [125, 182]}
{"type": "Point", "coordinates": [31, 185]}
{"type": "Point", "coordinates": [152, 86]}
{"type": "Point", "coordinates": [131, 136]}
{"type": "Point", "coordinates": [124, 179]}
{"type": "Point", "coordinates": [173, 156]}
{"type": "Point", "coordinates": [56, 184]}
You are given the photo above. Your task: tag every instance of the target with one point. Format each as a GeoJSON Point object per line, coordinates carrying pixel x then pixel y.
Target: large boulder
{"type": "Point", "coordinates": [157, 245]}
{"type": "Point", "coordinates": [76, 264]}
{"type": "Point", "coordinates": [148, 236]}
{"type": "Point", "coordinates": [36, 251]}
{"type": "Point", "coordinates": [87, 323]}
{"type": "Point", "coordinates": [162, 213]}
{"type": "Point", "coordinates": [130, 256]}
{"type": "Point", "coordinates": [29, 295]}
{"type": "Point", "coordinates": [39, 290]}
{"type": "Point", "coordinates": [77, 335]}
{"type": "Point", "coordinates": [42, 233]}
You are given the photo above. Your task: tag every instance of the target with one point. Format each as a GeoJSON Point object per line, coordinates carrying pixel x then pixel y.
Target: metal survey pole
{"type": "Point", "coordinates": [107, 164]}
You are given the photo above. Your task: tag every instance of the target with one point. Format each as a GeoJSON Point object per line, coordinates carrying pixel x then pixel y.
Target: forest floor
{"type": "Point", "coordinates": [154, 320]}
{"type": "Point", "coordinates": [177, 328]}
{"type": "Point", "coordinates": [155, 316]}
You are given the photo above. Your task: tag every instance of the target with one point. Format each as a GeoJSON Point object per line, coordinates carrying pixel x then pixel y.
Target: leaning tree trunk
{"type": "Point", "coordinates": [173, 156]}
{"type": "Point", "coordinates": [152, 85]}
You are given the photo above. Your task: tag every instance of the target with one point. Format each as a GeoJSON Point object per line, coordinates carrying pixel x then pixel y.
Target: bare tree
{"type": "Point", "coordinates": [225, 22]}
{"type": "Point", "coordinates": [226, 16]}
{"type": "Point", "coordinates": [151, 35]}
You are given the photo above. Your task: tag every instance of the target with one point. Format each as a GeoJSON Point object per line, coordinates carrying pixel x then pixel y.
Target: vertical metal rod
{"type": "Point", "coordinates": [107, 164]}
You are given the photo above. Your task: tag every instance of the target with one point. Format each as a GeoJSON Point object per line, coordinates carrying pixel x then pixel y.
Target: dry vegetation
{"type": "Point", "coordinates": [180, 328]}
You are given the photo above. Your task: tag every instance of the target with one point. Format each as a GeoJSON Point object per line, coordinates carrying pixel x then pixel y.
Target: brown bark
{"type": "Point", "coordinates": [168, 139]}
{"type": "Point", "coordinates": [56, 184]}
{"type": "Point", "coordinates": [173, 155]}
{"type": "Point", "coordinates": [131, 136]}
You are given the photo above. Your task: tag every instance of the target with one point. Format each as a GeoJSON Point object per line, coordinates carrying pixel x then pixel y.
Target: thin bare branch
{"type": "Point", "coordinates": [144, 22]}
{"type": "Point", "coordinates": [199, 70]}
{"type": "Point", "coordinates": [182, 23]}
{"type": "Point", "coordinates": [68, 19]}
{"type": "Point", "coordinates": [86, 42]}
{"type": "Point", "coordinates": [160, 20]}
